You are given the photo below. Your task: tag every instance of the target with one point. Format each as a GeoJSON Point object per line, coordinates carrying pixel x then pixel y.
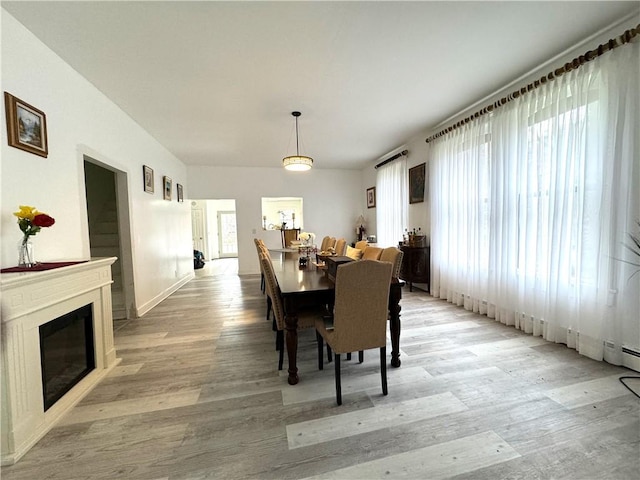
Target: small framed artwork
{"type": "Point", "coordinates": [168, 186]}
{"type": "Point", "coordinates": [26, 126]}
{"type": "Point", "coordinates": [147, 175]}
{"type": "Point", "coordinates": [179, 192]}
{"type": "Point", "coordinates": [371, 197]}
{"type": "Point", "coordinates": [416, 183]}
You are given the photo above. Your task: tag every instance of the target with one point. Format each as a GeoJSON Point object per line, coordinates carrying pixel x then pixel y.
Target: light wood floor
{"type": "Point", "coordinates": [198, 395]}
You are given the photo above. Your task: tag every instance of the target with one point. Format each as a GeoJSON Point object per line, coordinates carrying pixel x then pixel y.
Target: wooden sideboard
{"type": "Point", "coordinates": [416, 265]}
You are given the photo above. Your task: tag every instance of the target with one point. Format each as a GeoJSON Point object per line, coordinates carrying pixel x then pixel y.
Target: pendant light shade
{"type": "Point", "coordinates": [297, 162]}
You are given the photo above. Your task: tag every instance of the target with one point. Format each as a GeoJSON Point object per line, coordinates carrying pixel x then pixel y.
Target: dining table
{"type": "Point", "coordinates": [310, 286]}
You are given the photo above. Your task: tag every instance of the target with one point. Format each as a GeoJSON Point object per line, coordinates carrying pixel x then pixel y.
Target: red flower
{"type": "Point", "coordinates": [43, 220]}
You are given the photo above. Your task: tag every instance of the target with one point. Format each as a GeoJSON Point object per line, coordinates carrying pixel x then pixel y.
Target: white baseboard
{"type": "Point", "coordinates": [146, 307]}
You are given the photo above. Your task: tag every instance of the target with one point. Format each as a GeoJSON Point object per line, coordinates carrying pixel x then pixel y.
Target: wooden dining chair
{"type": "Point", "coordinates": [306, 318]}
{"type": "Point", "coordinates": [359, 320]}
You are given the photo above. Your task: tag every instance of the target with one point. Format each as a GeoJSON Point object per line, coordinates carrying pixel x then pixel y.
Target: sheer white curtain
{"type": "Point", "coordinates": [391, 202]}
{"type": "Point", "coordinates": [532, 206]}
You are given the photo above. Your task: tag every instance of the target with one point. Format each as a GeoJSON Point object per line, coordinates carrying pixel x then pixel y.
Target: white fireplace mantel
{"type": "Point", "coordinates": [31, 299]}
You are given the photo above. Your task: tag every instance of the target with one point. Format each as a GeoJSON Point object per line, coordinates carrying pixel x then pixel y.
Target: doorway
{"type": "Point", "coordinates": [198, 231]}
{"type": "Point", "coordinates": [213, 227]}
{"type": "Point", "coordinates": [227, 234]}
{"type": "Point", "coordinates": [107, 200]}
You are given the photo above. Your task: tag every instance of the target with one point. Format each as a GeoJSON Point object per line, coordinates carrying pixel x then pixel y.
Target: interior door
{"type": "Point", "coordinates": [227, 234]}
{"type": "Point", "coordinates": [198, 230]}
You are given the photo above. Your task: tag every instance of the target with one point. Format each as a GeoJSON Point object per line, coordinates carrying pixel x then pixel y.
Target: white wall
{"type": "Point", "coordinates": [333, 199]}
{"type": "Point", "coordinates": [81, 120]}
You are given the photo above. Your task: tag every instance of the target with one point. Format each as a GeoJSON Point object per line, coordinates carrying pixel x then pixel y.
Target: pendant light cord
{"type": "Point", "coordinates": [297, 146]}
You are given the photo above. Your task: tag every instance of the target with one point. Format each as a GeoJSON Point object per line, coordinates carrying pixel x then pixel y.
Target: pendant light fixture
{"type": "Point", "coordinates": [297, 162]}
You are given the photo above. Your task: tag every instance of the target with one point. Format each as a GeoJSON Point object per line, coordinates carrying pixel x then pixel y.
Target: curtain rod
{"type": "Point", "coordinates": [577, 62]}
{"type": "Point", "coordinates": [391, 159]}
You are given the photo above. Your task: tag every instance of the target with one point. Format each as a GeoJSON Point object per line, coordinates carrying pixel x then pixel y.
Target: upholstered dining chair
{"type": "Point", "coordinates": [359, 320]}
{"type": "Point", "coordinates": [371, 253]}
{"type": "Point", "coordinates": [332, 244]}
{"type": "Point", "coordinates": [290, 237]}
{"type": "Point", "coordinates": [259, 243]}
{"type": "Point", "coordinates": [361, 244]}
{"type": "Point", "coordinates": [325, 243]}
{"type": "Point", "coordinates": [341, 246]}
{"type": "Point", "coordinates": [263, 250]}
{"type": "Point", "coordinates": [391, 255]}
{"type": "Point", "coordinates": [306, 319]}
{"type": "Point", "coordinates": [394, 256]}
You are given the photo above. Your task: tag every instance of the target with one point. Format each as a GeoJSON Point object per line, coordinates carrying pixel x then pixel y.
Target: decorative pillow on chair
{"type": "Point", "coordinates": [353, 253]}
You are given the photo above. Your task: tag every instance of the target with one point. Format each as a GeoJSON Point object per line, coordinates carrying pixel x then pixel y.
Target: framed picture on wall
{"type": "Point", "coordinates": [416, 183]}
{"type": "Point", "coordinates": [168, 186]}
{"type": "Point", "coordinates": [179, 192]}
{"type": "Point", "coordinates": [147, 175]}
{"type": "Point", "coordinates": [26, 126]}
{"type": "Point", "coordinates": [371, 197]}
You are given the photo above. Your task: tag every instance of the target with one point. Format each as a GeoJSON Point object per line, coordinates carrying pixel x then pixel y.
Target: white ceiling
{"type": "Point", "coordinates": [216, 82]}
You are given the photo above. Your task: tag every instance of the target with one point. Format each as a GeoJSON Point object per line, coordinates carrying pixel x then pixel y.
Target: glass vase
{"type": "Point", "coordinates": [25, 254]}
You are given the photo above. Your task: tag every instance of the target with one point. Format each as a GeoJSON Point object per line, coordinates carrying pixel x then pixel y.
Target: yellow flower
{"type": "Point", "coordinates": [26, 212]}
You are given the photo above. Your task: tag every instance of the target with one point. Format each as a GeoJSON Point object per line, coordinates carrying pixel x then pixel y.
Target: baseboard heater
{"type": "Point", "coordinates": [630, 352]}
